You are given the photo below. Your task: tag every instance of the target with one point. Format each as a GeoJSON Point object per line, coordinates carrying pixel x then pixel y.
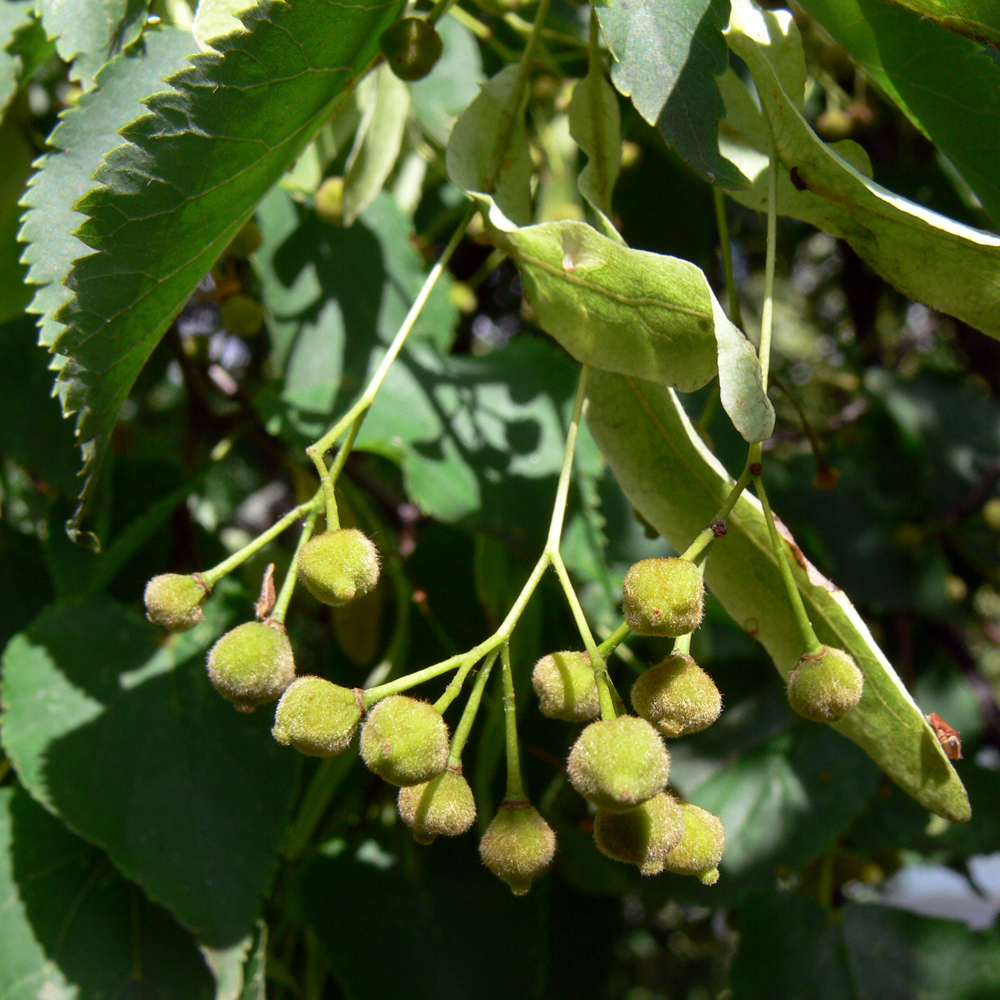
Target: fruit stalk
{"type": "Point", "coordinates": [291, 577]}
{"type": "Point", "coordinates": [464, 726]}
{"type": "Point", "coordinates": [515, 784]}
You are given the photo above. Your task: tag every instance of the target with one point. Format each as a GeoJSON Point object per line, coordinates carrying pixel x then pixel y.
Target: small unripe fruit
{"type": "Point", "coordinates": [329, 202]}
{"type": "Point", "coordinates": [317, 717]}
{"type": "Point", "coordinates": [242, 315]}
{"type": "Point", "coordinates": [252, 664]}
{"type": "Point", "coordinates": [173, 601]}
{"type": "Point", "coordinates": [664, 597]}
{"type": "Point", "coordinates": [411, 47]}
{"type": "Point", "coordinates": [642, 836]}
{"type": "Point", "coordinates": [825, 686]}
{"type": "Point", "coordinates": [246, 241]}
{"type": "Point", "coordinates": [618, 763]}
{"type": "Point", "coordinates": [677, 697]}
{"type": "Point", "coordinates": [443, 806]}
{"type": "Point", "coordinates": [338, 566]}
{"type": "Point", "coordinates": [404, 741]}
{"type": "Point", "coordinates": [700, 849]}
{"type": "Point", "coordinates": [565, 685]}
{"type": "Point", "coordinates": [518, 845]}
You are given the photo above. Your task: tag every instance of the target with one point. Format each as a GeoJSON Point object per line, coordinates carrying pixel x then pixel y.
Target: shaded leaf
{"type": "Point", "coordinates": [186, 179]}
{"type": "Point", "coordinates": [929, 257]}
{"type": "Point", "coordinates": [15, 17]}
{"type": "Point", "coordinates": [17, 154]}
{"type": "Point", "coordinates": [947, 86]}
{"type": "Point", "coordinates": [978, 19]}
{"type": "Point", "coordinates": [488, 149]}
{"type": "Point", "coordinates": [127, 741]}
{"type": "Point", "coordinates": [439, 929]}
{"type": "Point", "coordinates": [666, 57]}
{"type": "Point", "coordinates": [379, 138]}
{"type": "Point", "coordinates": [595, 124]}
{"type": "Point", "coordinates": [637, 313]}
{"type": "Point", "coordinates": [73, 927]}
{"type": "Point", "coordinates": [89, 32]}
{"type": "Point", "coordinates": [678, 486]}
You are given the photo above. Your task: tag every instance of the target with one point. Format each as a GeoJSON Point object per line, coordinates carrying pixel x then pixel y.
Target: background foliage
{"type": "Point", "coordinates": [155, 843]}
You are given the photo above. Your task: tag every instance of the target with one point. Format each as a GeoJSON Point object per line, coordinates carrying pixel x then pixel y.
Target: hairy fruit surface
{"type": "Point", "coordinates": [664, 597]}
{"type": "Point", "coordinates": [642, 836]}
{"type": "Point", "coordinates": [252, 664]}
{"type": "Point", "coordinates": [518, 845]}
{"type": "Point", "coordinates": [411, 47]}
{"type": "Point", "coordinates": [173, 601]}
{"type": "Point", "coordinates": [316, 717]}
{"type": "Point", "coordinates": [404, 741]}
{"type": "Point", "coordinates": [700, 849]}
{"type": "Point", "coordinates": [826, 686]}
{"type": "Point", "coordinates": [338, 566]}
{"type": "Point", "coordinates": [443, 806]}
{"type": "Point", "coordinates": [565, 685]}
{"type": "Point", "coordinates": [618, 763]}
{"type": "Point", "coordinates": [677, 697]}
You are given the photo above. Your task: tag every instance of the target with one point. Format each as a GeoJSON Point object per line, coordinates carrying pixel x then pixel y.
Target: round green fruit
{"type": "Point", "coordinates": [441, 807]}
{"type": "Point", "coordinates": [565, 685]}
{"type": "Point", "coordinates": [246, 241]}
{"type": "Point", "coordinates": [316, 717]}
{"type": "Point", "coordinates": [242, 315]}
{"type": "Point", "coordinates": [174, 601]}
{"type": "Point", "coordinates": [411, 47]}
{"type": "Point", "coordinates": [825, 686]}
{"type": "Point", "coordinates": [252, 664]}
{"type": "Point", "coordinates": [677, 697]}
{"type": "Point", "coordinates": [619, 763]}
{"type": "Point", "coordinates": [338, 566]}
{"type": "Point", "coordinates": [329, 202]}
{"type": "Point", "coordinates": [518, 845]}
{"type": "Point", "coordinates": [664, 597]}
{"type": "Point", "coordinates": [404, 741]}
{"type": "Point", "coordinates": [701, 845]}
{"type": "Point", "coordinates": [642, 836]}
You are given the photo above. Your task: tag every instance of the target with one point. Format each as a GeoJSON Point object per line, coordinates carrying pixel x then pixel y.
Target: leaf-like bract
{"type": "Point", "coordinates": [595, 125]}
{"type": "Point", "coordinates": [186, 179]}
{"type": "Point", "coordinates": [678, 485]}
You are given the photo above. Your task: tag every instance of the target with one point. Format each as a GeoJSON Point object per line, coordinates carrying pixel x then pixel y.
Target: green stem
{"type": "Point", "coordinates": [727, 258]}
{"type": "Point", "coordinates": [614, 640]}
{"type": "Point", "coordinates": [767, 313]}
{"type": "Point", "coordinates": [812, 644]}
{"type": "Point", "coordinates": [328, 778]}
{"type": "Point", "coordinates": [562, 490]}
{"type": "Point", "coordinates": [216, 573]}
{"type": "Point", "coordinates": [288, 584]}
{"type": "Point", "coordinates": [464, 726]}
{"type": "Point", "coordinates": [682, 645]}
{"type": "Point", "coordinates": [400, 684]}
{"type": "Point", "coordinates": [439, 10]}
{"type": "Point", "coordinates": [707, 535]}
{"type": "Point", "coordinates": [596, 660]}
{"type": "Point", "coordinates": [515, 785]}
{"type": "Point", "coordinates": [357, 411]}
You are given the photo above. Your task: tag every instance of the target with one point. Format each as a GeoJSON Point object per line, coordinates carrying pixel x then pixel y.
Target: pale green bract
{"type": "Point", "coordinates": [678, 485]}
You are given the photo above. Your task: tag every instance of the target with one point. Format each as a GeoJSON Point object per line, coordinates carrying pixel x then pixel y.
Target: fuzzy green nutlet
{"type": "Point", "coordinates": [338, 566]}
{"type": "Point", "coordinates": [664, 597]}
{"type": "Point", "coordinates": [566, 688]}
{"type": "Point", "coordinates": [825, 686]}
{"type": "Point", "coordinates": [642, 836]}
{"type": "Point", "coordinates": [443, 806]}
{"type": "Point", "coordinates": [246, 242]}
{"type": "Point", "coordinates": [173, 601]}
{"type": "Point", "coordinates": [411, 47]}
{"type": "Point", "coordinates": [618, 763]}
{"type": "Point", "coordinates": [316, 717]}
{"type": "Point", "coordinates": [404, 741]}
{"type": "Point", "coordinates": [677, 697]}
{"type": "Point", "coordinates": [518, 845]}
{"type": "Point", "coordinates": [242, 315]}
{"type": "Point", "coordinates": [700, 848]}
{"type": "Point", "coordinates": [329, 202]}
{"type": "Point", "coordinates": [252, 664]}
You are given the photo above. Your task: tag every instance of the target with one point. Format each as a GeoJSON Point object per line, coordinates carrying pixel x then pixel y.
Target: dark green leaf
{"type": "Point", "coordinates": [667, 55]}
{"type": "Point", "coordinates": [14, 172]}
{"type": "Point", "coordinates": [123, 736]}
{"type": "Point", "coordinates": [89, 32]}
{"type": "Point", "coordinates": [15, 16]}
{"type": "Point", "coordinates": [948, 87]}
{"type": "Point", "coordinates": [978, 19]}
{"type": "Point", "coordinates": [73, 927]}
{"type": "Point", "coordinates": [455, 932]}
{"type": "Point", "coordinates": [188, 175]}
